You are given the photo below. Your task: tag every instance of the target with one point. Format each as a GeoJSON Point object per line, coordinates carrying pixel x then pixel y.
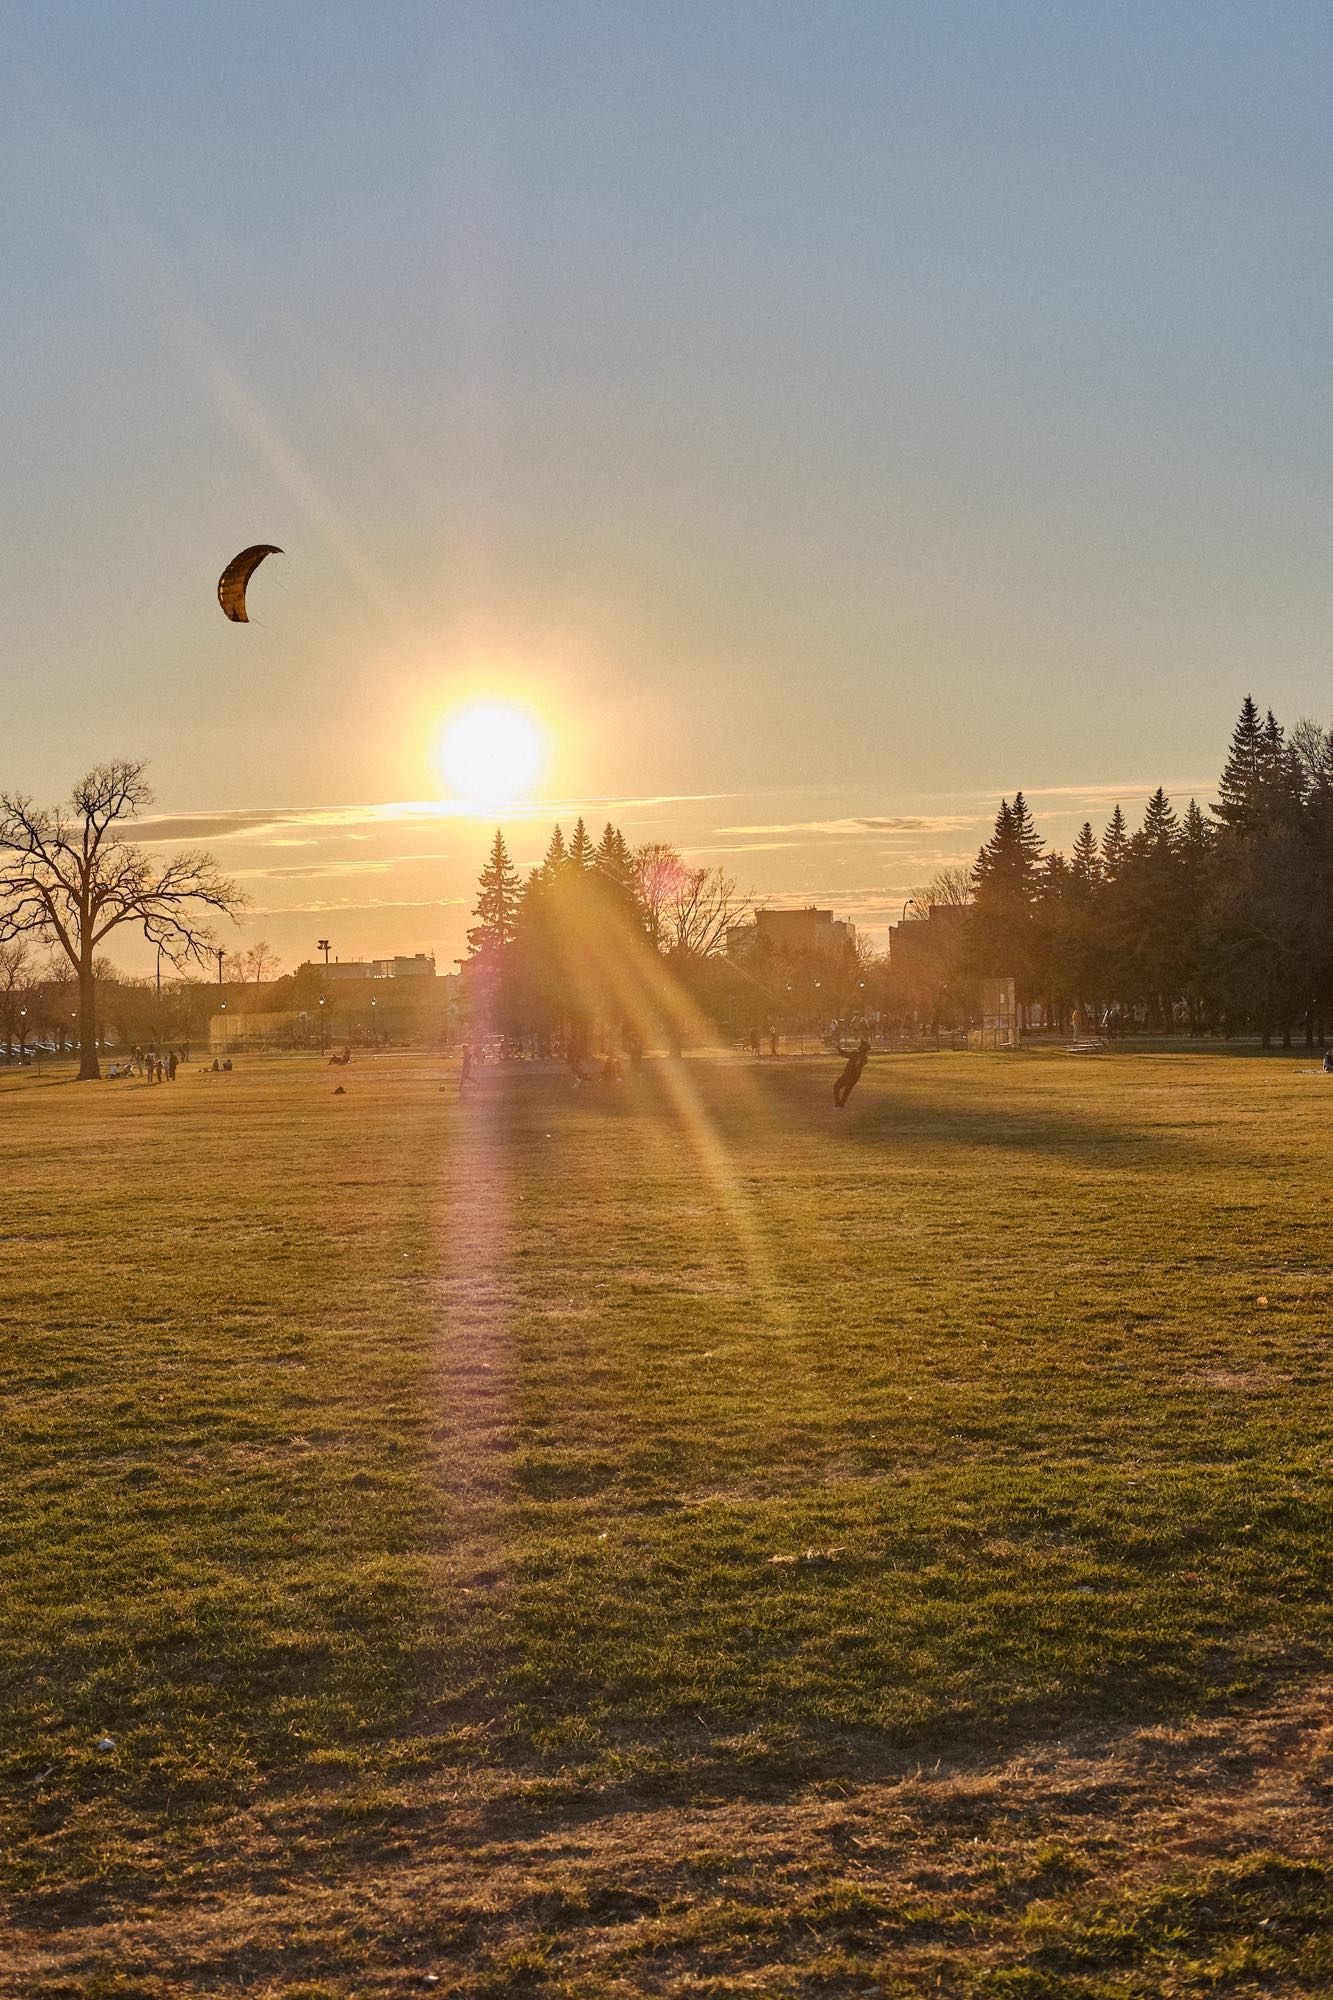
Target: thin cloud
{"type": "Point", "coordinates": [274, 822]}
{"type": "Point", "coordinates": [889, 823]}
{"type": "Point", "coordinates": [373, 903]}
{"type": "Point", "coordinates": [336, 869]}
{"type": "Point", "coordinates": [744, 847]}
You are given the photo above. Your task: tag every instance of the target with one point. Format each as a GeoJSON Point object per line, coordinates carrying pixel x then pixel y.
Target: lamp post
{"type": "Point", "coordinates": [23, 1032]}
{"type": "Point", "coordinates": [322, 1018]}
{"type": "Point", "coordinates": [373, 1038]}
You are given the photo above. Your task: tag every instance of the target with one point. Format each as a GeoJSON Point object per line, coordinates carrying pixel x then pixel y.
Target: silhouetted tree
{"type": "Point", "coordinates": [491, 939]}
{"type": "Point", "coordinates": [581, 851]}
{"type": "Point", "coordinates": [70, 877]}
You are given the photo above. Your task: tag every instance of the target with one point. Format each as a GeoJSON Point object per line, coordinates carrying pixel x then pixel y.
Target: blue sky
{"type": "Point", "coordinates": [823, 414]}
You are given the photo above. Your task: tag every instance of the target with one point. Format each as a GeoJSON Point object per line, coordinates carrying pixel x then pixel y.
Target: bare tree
{"type": "Point", "coordinates": [262, 961]}
{"type": "Point", "coordinates": [1313, 748]}
{"type": "Point", "coordinates": [69, 877]}
{"type": "Point", "coordinates": [949, 888]}
{"type": "Point", "coordinates": [657, 870]}
{"type": "Point", "coordinates": [702, 907]}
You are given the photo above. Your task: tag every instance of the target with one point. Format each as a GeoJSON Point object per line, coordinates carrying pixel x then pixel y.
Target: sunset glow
{"type": "Point", "coordinates": [491, 755]}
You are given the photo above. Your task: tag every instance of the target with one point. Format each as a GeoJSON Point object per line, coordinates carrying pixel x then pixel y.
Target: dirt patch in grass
{"type": "Point", "coordinates": [1169, 1858]}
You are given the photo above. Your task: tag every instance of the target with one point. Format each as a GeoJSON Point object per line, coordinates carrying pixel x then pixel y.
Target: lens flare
{"type": "Point", "coordinates": [491, 755]}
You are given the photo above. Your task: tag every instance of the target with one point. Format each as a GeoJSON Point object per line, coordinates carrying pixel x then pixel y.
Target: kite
{"type": "Point", "coordinates": [232, 582]}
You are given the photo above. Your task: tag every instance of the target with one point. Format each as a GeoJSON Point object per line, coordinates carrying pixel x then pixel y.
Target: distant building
{"type": "Point", "coordinates": [807, 930]}
{"type": "Point", "coordinates": [925, 976]}
{"type": "Point", "coordinates": [420, 966]}
{"type": "Point", "coordinates": [928, 947]}
{"type": "Point", "coordinates": [341, 968]}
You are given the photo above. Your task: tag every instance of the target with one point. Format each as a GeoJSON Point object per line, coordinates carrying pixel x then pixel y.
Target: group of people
{"type": "Point", "coordinates": [147, 1062]}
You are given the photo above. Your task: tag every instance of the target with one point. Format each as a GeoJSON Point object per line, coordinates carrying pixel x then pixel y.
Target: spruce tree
{"type": "Point", "coordinates": [1115, 846]}
{"type": "Point", "coordinates": [496, 904]}
{"type": "Point", "coordinates": [556, 855]}
{"type": "Point", "coordinates": [613, 857]}
{"type": "Point", "coordinates": [996, 859]}
{"type": "Point", "coordinates": [1240, 806]}
{"type": "Point", "coordinates": [582, 854]}
{"type": "Point", "coordinates": [1086, 862]}
{"type": "Point", "coordinates": [1160, 830]}
{"type": "Point", "coordinates": [1195, 833]}
{"type": "Point", "coordinates": [1025, 833]}
{"type": "Point", "coordinates": [1002, 936]}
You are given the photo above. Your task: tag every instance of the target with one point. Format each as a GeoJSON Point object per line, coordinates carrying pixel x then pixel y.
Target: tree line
{"type": "Point", "coordinates": [602, 938]}
{"type": "Point", "coordinates": [1213, 921]}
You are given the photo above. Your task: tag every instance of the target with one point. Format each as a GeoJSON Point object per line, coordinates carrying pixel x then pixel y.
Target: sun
{"type": "Point", "coordinates": [491, 755]}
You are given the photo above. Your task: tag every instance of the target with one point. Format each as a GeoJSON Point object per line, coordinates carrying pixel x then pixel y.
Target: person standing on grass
{"type": "Point", "coordinates": [857, 1059]}
{"type": "Point", "coordinates": [465, 1074]}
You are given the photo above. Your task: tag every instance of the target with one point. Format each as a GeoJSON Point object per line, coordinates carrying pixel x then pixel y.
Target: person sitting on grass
{"type": "Point", "coordinates": [857, 1059]}
{"type": "Point", "coordinates": [1328, 1062]}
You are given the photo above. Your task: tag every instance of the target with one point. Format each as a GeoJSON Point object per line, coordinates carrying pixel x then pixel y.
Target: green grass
{"type": "Point", "coordinates": [464, 1516]}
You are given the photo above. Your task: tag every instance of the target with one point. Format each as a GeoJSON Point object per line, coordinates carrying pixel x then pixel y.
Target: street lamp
{"type": "Point", "coordinates": [322, 1018]}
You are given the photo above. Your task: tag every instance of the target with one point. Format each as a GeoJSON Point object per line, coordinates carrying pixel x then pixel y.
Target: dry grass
{"type": "Point", "coordinates": [670, 1541]}
{"type": "Point", "coordinates": [1043, 1871]}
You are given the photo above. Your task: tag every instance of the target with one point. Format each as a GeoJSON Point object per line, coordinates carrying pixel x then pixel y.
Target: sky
{"type": "Point", "coordinates": [824, 418]}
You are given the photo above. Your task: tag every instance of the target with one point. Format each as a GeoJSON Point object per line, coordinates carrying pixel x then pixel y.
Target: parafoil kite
{"type": "Point", "coordinates": [232, 582]}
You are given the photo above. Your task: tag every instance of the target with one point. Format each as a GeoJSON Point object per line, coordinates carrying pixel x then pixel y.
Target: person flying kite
{"type": "Point", "coordinates": [857, 1059]}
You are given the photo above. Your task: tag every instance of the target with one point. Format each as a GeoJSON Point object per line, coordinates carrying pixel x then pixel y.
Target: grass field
{"type": "Point", "coordinates": [673, 1539]}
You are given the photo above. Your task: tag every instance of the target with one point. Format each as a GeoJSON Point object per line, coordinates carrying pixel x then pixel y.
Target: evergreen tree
{"type": "Point", "coordinates": [1025, 833]}
{"type": "Point", "coordinates": [1160, 830]}
{"type": "Point", "coordinates": [1085, 864]}
{"type": "Point", "coordinates": [1115, 846]}
{"type": "Point", "coordinates": [614, 860]}
{"type": "Point", "coordinates": [1240, 806]}
{"type": "Point", "coordinates": [1196, 880]}
{"type": "Point", "coordinates": [582, 853]}
{"type": "Point", "coordinates": [1147, 914]}
{"type": "Point", "coordinates": [1196, 835]}
{"type": "Point", "coordinates": [496, 904]}
{"type": "Point", "coordinates": [556, 855]}
{"type": "Point", "coordinates": [1002, 936]}
{"type": "Point", "coordinates": [1055, 942]}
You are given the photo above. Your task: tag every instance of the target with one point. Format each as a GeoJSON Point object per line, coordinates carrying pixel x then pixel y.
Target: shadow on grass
{"type": "Point", "coordinates": [785, 1104]}
{"type": "Point", "coordinates": [911, 1122]}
